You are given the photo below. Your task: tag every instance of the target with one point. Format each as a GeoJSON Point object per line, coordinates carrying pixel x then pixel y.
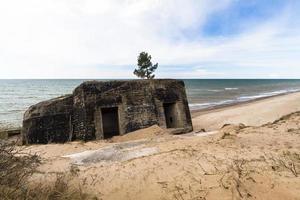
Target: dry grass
{"type": "Point", "coordinates": [287, 160]}
{"type": "Point", "coordinates": [235, 177]}
{"type": "Point", "coordinates": [17, 167]}
{"type": "Point", "coordinates": [60, 189]}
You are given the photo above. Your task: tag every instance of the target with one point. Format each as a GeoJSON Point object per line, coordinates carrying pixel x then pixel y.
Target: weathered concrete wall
{"type": "Point", "coordinates": [48, 121]}
{"type": "Point", "coordinates": [79, 116]}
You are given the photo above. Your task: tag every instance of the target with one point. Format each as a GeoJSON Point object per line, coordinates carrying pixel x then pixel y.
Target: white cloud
{"type": "Point", "coordinates": [202, 73]}
{"type": "Point", "coordinates": [77, 39]}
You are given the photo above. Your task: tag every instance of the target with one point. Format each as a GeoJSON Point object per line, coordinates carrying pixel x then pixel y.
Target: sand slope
{"type": "Point", "coordinates": [233, 163]}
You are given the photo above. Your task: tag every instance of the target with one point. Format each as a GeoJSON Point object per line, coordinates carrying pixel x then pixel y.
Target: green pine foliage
{"type": "Point", "coordinates": [145, 66]}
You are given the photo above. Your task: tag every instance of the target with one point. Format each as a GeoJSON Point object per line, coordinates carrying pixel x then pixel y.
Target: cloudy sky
{"type": "Point", "coordinates": [188, 38]}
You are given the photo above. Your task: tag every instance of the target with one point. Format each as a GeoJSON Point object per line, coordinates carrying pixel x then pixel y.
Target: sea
{"type": "Point", "coordinates": [17, 95]}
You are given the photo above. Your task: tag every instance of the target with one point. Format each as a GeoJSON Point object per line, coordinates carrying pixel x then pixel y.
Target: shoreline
{"type": "Point", "coordinates": [197, 112]}
{"type": "Point", "coordinates": [201, 112]}
{"type": "Point", "coordinates": [251, 113]}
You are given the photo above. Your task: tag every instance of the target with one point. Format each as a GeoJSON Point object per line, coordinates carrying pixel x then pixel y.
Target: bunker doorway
{"type": "Point", "coordinates": [171, 115]}
{"type": "Point", "coordinates": [110, 122]}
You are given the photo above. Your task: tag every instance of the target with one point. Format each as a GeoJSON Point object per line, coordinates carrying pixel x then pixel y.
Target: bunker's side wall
{"type": "Point", "coordinates": [48, 121]}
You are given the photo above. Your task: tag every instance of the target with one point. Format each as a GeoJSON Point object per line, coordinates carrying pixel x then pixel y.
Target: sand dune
{"type": "Point", "coordinates": [235, 162]}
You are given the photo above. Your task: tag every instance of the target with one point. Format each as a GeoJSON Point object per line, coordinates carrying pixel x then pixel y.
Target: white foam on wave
{"type": "Point", "coordinates": [196, 106]}
{"type": "Point", "coordinates": [268, 94]}
{"type": "Point", "coordinates": [231, 88]}
{"type": "Point", "coordinates": [203, 90]}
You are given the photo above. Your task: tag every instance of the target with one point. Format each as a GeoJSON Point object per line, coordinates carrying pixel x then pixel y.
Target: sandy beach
{"type": "Point", "coordinates": [254, 113]}
{"type": "Point", "coordinates": [259, 159]}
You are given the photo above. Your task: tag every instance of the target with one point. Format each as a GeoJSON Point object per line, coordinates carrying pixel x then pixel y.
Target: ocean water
{"type": "Point", "coordinates": [210, 93]}
{"type": "Point", "coordinates": [17, 95]}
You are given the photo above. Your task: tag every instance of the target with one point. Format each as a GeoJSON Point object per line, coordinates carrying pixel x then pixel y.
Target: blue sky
{"type": "Point", "coordinates": [241, 16]}
{"type": "Point", "coordinates": [188, 38]}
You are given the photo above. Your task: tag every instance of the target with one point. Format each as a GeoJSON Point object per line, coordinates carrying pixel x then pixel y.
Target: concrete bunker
{"type": "Point", "coordinates": [103, 109]}
{"type": "Point", "coordinates": [171, 115]}
{"type": "Point", "coordinates": [110, 122]}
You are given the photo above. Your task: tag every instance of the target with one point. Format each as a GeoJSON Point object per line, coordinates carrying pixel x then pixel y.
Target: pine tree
{"type": "Point", "coordinates": [145, 67]}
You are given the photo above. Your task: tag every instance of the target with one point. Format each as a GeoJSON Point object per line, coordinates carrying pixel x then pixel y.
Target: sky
{"type": "Point", "coordinates": [95, 39]}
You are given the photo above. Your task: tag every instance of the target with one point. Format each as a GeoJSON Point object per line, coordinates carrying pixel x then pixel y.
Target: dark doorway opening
{"type": "Point", "coordinates": [110, 122]}
{"type": "Point", "coordinates": [171, 115]}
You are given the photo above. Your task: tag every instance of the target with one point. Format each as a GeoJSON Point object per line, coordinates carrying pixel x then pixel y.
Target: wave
{"type": "Point", "coordinates": [214, 90]}
{"type": "Point", "coordinates": [268, 94]}
{"type": "Point", "coordinates": [206, 90]}
{"type": "Point", "coordinates": [231, 88]}
{"type": "Point", "coordinates": [196, 106]}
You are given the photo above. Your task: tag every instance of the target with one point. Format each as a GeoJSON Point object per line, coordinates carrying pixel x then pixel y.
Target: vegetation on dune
{"type": "Point", "coordinates": [16, 169]}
